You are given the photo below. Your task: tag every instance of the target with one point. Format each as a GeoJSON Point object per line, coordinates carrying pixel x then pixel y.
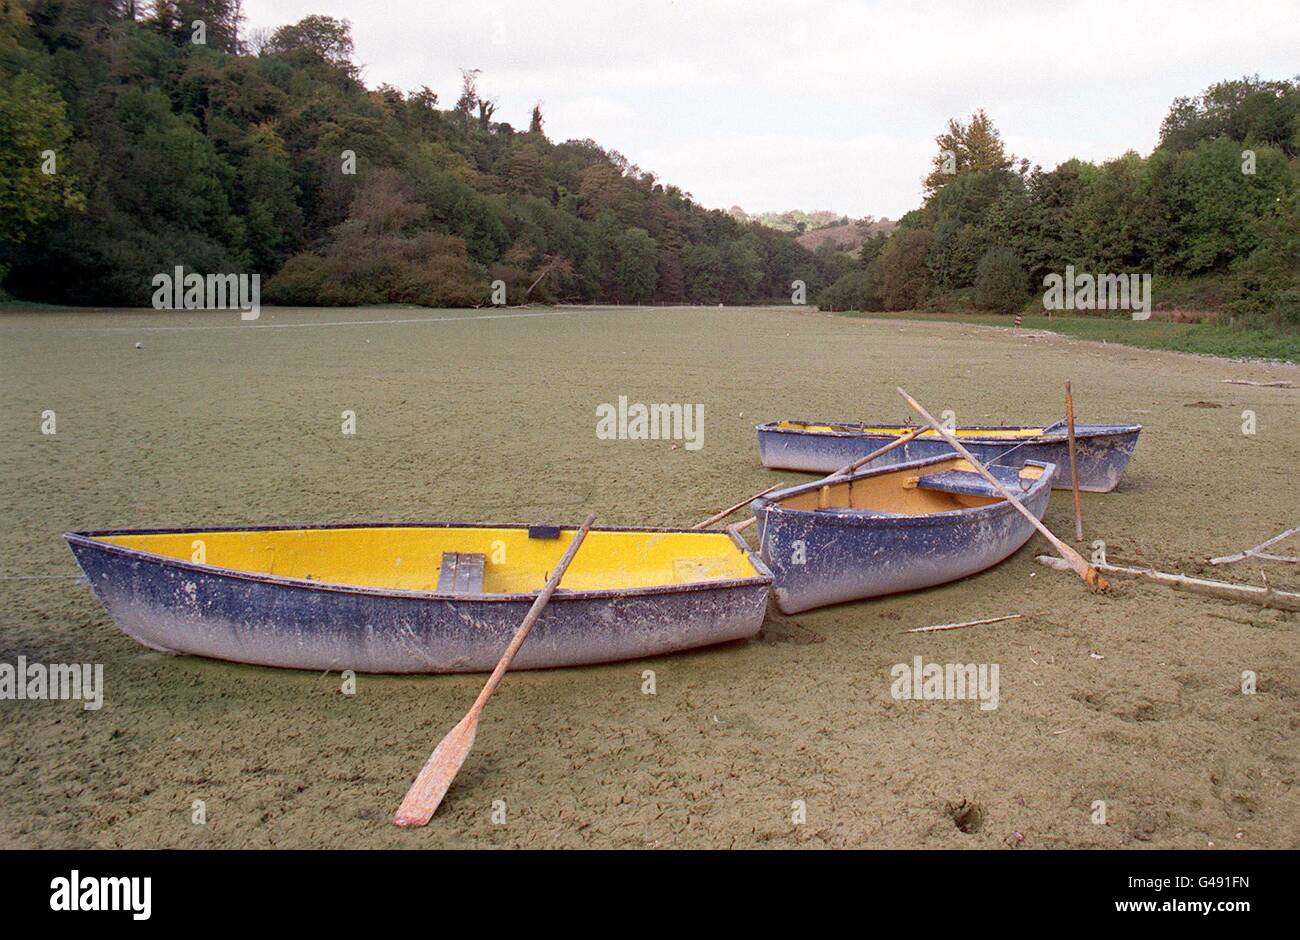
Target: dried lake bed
{"type": "Point", "coordinates": [1132, 698]}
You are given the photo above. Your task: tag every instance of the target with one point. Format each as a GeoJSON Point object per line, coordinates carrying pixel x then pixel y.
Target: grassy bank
{"type": "Point", "coordinates": [1208, 339]}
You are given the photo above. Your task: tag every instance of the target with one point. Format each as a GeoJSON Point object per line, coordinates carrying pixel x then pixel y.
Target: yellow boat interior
{"type": "Point", "coordinates": [467, 559]}
{"type": "Point", "coordinates": [1010, 434]}
{"type": "Point", "coordinates": [904, 491]}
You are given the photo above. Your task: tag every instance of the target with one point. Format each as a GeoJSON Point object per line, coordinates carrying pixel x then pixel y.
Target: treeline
{"type": "Point", "coordinates": [130, 143]}
{"type": "Point", "coordinates": [1213, 214]}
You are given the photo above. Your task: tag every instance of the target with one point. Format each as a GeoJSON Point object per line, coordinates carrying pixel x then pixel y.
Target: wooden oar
{"type": "Point", "coordinates": [1074, 463]}
{"type": "Point", "coordinates": [426, 793]}
{"type": "Point", "coordinates": [1075, 560]}
{"type": "Point", "coordinates": [896, 442]}
{"type": "Point", "coordinates": [719, 516]}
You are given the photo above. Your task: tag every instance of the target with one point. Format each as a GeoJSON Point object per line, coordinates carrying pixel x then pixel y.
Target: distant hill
{"type": "Point", "coordinates": [795, 220]}
{"type": "Point", "coordinates": [814, 229]}
{"type": "Point", "coordinates": [846, 236]}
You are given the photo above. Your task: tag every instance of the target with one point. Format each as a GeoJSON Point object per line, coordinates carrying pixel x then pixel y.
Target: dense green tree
{"type": "Point", "coordinates": [1266, 282]}
{"type": "Point", "coordinates": [705, 277]}
{"type": "Point", "coordinates": [1000, 282]}
{"type": "Point", "coordinates": [856, 290]}
{"type": "Point", "coordinates": [638, 257]}
{"type": "Point", "coordinates": [969, 147]}
{"type": "Point", "coordinates": [1209, 206]}
{"type": "Point", "coordinates": [962, 215]}
{"type": "Point", "coordinates": [323, 36]}
{"type": "Point", "coordinates": [1246, 110]}
{"type": "Point", "coordinates": [1213, 204]}
{"type": "Point", "coordinates": [34, 186]}
{"type": "Point", "coordinates": [904, 276]}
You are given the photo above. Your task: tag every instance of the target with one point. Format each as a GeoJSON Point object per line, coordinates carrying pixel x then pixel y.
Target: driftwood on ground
{"type": "Point", "coordinates": [966, 623]}
{"type": "Point", "coordinates": [1257, 553]}
{"type": "Point", "coordinates": [1263, 596]}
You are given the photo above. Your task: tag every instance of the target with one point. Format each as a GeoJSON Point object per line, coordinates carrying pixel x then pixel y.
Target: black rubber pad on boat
{"type": "Point", "coordinates": [543, 531]}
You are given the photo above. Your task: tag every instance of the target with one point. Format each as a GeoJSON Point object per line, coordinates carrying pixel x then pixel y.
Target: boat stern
{"type": "Point", "coordinates": [834, 555]}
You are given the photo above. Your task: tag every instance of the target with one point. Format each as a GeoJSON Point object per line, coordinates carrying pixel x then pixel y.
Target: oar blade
{"type": "Point", "coordinates": [425, 795]}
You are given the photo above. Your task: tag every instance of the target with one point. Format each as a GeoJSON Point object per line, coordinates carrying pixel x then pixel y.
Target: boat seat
{"type": "Point", "coordinates": [966, 483]}
{"type": "Point", "coordinates": [461, 573]}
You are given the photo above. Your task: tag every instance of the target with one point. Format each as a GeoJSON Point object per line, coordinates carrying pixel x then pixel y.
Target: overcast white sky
{"type": "Point", "coordinates": [817, 104]}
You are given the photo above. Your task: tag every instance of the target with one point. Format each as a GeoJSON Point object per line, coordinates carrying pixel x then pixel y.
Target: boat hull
{"type": "Point", "coordinates": [1103, 450]}
{"type": "Point", "coordinates": [820, 558]}
{"type": "Point", "coordinates": [176, 607]}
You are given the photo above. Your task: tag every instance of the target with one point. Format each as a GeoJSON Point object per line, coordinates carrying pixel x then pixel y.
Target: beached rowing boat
{"type": "Point", "coordinates": [429, 597]}
{"type": "Point", "coordinates": [823, 447]}
{"type": "Point", "coordinates": [890, 529]}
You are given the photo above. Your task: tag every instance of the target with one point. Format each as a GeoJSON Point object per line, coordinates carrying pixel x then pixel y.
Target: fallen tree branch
{"type": "Point", "coordinates": [1263, 596]}
{"type": "Point", "coordinates": [1242, 556]}
{"type": "Point", "coordinates": [968, 623]}
{"type": "Point", "coordinates": [1282, 383]}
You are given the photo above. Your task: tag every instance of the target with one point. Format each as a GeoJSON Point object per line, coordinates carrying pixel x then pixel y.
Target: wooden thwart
{"type": "Point", "coordinates": [461, 573]}
{"type": "Point", "coordinates": [1263, 596]}
{"type": "Point", "coordinates": [956, 482]}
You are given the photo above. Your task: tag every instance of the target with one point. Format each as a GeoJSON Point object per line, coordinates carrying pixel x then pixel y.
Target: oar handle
{"type": "Point", "coordinates": [534, 612]}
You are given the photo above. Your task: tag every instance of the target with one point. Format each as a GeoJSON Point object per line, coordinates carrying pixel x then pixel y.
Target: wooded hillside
{"type": "Point", "coordinates": [268, 154]}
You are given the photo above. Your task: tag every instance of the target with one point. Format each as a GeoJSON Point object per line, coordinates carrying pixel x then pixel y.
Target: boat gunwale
{"type": "Point", "coordinates": [92, 538]}
{"type": "Point", "coordinates": [1081, 431]}
{"type": "Point", "coordinates": [772, 501]}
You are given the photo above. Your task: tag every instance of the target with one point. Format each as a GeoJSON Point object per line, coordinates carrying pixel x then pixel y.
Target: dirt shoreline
{"type": "Point", "coordinates": [1132, 698]}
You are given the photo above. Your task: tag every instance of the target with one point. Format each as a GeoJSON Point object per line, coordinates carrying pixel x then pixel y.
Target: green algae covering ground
{"type": "Point", "coordinates": [1133, 698]}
